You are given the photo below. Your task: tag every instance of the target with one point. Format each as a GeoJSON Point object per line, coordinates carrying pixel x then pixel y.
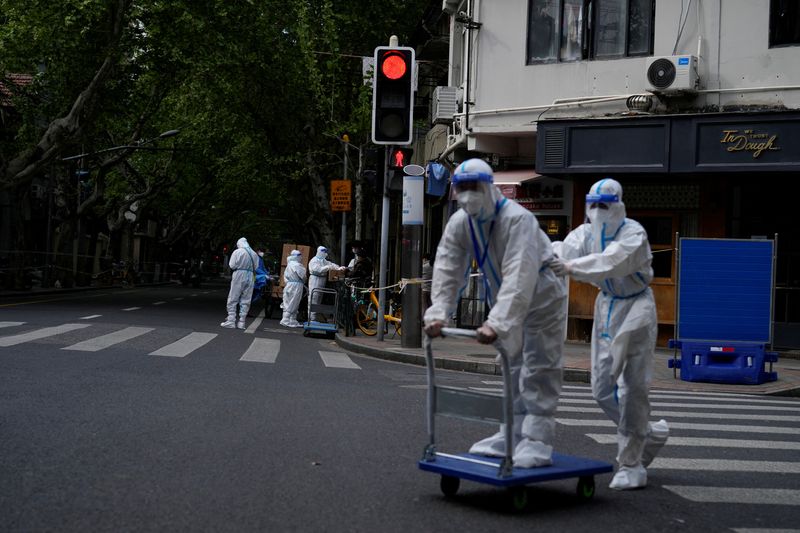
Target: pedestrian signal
{"type": "Point", "coordinates": [399, 158]}
{"type": "Point", "coordinates": [393, 95]}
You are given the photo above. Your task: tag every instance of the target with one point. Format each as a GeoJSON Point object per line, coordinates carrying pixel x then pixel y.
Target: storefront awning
{"type": "Point", "coordinates": [515, 177]}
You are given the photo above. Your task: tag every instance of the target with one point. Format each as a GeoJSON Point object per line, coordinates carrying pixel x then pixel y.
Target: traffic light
{"type": "Point", "coordinates": [399, 157]}
{"type": "Point", "coordinates": [393, 95]}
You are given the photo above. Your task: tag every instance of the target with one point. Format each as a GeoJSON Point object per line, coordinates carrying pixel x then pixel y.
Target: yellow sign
{"type": "Point", "coordinates": [341, 192]}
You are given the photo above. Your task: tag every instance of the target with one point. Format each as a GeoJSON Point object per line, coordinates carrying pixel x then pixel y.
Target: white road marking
{"type": "Point", "coordinates": [746, 407]}
{"type": "Point", "coordinates": [487, 389]}
{"type": "Point", "coordinates": [725, 465]}
{"type": "Point", "coordinates": [132, 309]}
{"type": "Point", "coordinates": [10, 324]}
{"type": "Point", "coordinates": [749, 400]}
{"type": "Point", "coordinates": [748, 496]}
{"type": "Point", "coordinates": [159, 303]}
{"type": "Point", "coordinates": [13, 340]}
{"type": "Point", "coordinates": [110, 339]}
{"type": "Point", "coordinates": [702, 442]}
{"type": "Point", "coordinates": [186, 345]}
{"type": "Point", "coordinates": [691, 414]}
{"type": "Point", "coordinates": [177, 299]}
{"type": "Point", "coordinates": [763, 530]}
{"type": "Point", "coordinates": [684, 425]}
{"type": "Point", "coordinates": [284, 330]}
{"type": "Point", "coordinates": [89, 317]}
{"type": "Point", "coordinates": [193, 295]}
{"type": "Point", "coordinates": [492, 382]}
{"type": "Point", "coordinates": [262, 351]}
{"type": "Point", "coordinates": [337, 360]}
{"type": "Point", "coordinates": [256, 322]}
{"type": "Point", "coordinates": [685, 393]}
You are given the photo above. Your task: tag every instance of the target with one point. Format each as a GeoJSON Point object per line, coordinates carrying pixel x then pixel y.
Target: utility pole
{"type": "Point", "coordinates": [411, 262]}
{"type": "Point", "coordinates": [384, 245]}
{"type": "Point", "coordinates": [343, 243]}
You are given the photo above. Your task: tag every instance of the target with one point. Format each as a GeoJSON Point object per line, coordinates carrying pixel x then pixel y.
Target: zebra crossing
{"type": "Point", "coordinates": [259, 350]}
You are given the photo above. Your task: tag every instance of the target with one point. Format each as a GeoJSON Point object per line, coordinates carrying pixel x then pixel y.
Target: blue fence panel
{"type": "Point", "coordinates": [725, 290]}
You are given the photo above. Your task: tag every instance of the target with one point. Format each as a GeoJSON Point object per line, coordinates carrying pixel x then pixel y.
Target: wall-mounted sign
{"type": "Point", "coordinates": [749, 140]}
{"type": "Point", "coordinates": [341, 192]}
{"type": "Point", "coordinates": [413, 200]}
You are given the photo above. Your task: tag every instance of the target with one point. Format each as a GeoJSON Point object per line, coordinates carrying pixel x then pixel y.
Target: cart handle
{"type": "Point", "coordinates": [459, 332]}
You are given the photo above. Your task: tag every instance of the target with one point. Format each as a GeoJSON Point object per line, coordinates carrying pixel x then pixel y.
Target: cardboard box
{"type": "Point", "coordinates": [336, 275]}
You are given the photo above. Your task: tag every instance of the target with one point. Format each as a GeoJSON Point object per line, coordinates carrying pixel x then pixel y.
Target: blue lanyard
{"type": "Point", "coordinates": [481, 257]}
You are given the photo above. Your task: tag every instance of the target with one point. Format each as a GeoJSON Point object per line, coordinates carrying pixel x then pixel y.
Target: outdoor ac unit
{"type": "Point", "coordinates": [444, 105]}
{"type": "Point", "coordinates": [672, 73]}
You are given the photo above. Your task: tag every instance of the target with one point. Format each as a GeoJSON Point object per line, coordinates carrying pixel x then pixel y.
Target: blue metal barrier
{"type": "Point", "coordinates": [729, 362]}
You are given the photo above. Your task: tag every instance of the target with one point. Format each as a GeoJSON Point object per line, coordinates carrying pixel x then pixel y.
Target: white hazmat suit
{"type": "Point", "coordinates": [527, 304]}
{"type": "Point", "coordinates": [293, 277]}
{"type": "Point", "coordinates": [612, 253]}
{"type": "Point", "coordinates": [243, 263]}
{"type": "Point", "coordinates": [318, 269]}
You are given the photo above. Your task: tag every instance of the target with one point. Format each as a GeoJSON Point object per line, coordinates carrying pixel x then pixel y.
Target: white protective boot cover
{"type": "Point", "coordinates": [495, 446]}
{"type": "Point", "coordinates": [629, 477]}
{"type": "Point", "coordinates": [229, 323]}
{"type": "Point", "coordinates": [659, 433]}
{"type": "Point", "coordinates": [532, 453]}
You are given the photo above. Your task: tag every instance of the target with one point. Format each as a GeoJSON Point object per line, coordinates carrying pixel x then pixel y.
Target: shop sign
{"type": "Point", "coordinates": [541, 205]}
{"type": "Point", "coordinates": [748, 140]}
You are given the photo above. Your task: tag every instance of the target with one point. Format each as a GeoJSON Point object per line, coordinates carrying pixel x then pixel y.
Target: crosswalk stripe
{"type": "Point", "coordinates": [691, 414]}
{"type": "Point", "coordinates": [685, 425]}
{"type": "Point", "coordinates": [749, 496]}
{"type": "Point", "coordinates": [177, 299]}
{"type": "Point", "coordinates": [13, 340]}
{"type": "Point", "coordinates": [763, 530]}
{"type": "Point", "coordinates": [337, 360]}
{"type": "Point", "coordinates": [132, 309]}
{"type": "Point", "coordinates": [262, 351]}
{"type": "Point", "coordinates": [10, 324]}
{"type": "Point", "coordinates": [89, 317]}
{"type": "Point", "coordinates": [256, 322]}
{"type": "Point", "coordinates": [749, 400]}
{"type": "Point", "coordinates": [604, 438]}
{"type": "Point", "coordinates": [675, 392]}
{"type": "Point", "coordinates": [725, 465]}
{"type": "Point", "coordinates": [110, 339]}
{"type": "Point", "coordinates": [186, 345]}
{"type": "Point", "coordinates": [159, 303]}
{"type": "Point", "coordinates": [746, 407]}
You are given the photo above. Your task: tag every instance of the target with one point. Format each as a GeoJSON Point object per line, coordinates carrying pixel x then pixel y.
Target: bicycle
{"type": "Point", "coordinates": [367, 314]}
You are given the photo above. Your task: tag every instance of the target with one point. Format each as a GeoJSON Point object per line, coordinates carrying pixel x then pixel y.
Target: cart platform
{"type": "Point", "coordinates": [487, 469]}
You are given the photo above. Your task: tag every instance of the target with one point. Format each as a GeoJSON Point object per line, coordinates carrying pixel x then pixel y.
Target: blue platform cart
{"type": "Point", "coordinates": [327, 305]}
{"type": "Point", "coordinates": [724, 311]}
{"type": "Point", "coordinates": [487, 407]}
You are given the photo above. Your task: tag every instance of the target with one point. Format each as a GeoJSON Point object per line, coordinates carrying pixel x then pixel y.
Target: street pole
{"type": "Point", "coordinates": [359, 195]}
{"type": "Point", "coordinates": [384, 244]}
{"type": "Point", "coordinates": [344, 213]}
{"type": "Point", "coordinates": [411, 266]}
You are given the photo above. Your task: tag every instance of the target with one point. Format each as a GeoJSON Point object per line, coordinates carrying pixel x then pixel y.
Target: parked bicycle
{"type": "Point", "coordinates": [366, 313]}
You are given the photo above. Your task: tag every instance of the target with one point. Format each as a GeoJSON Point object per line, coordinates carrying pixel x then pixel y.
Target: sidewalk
{"type": "Point", "coordinates": [468, 356]}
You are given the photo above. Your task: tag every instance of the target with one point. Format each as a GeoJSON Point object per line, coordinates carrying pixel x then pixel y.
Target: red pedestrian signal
{"type": "Point", "coordinates": [393, 95]}
{"type": "Point", "coordinates": [399, 158]}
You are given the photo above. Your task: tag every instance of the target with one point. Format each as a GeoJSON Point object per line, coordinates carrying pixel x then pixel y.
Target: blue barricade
{"type": "Point", "coordinates": [724, 362]}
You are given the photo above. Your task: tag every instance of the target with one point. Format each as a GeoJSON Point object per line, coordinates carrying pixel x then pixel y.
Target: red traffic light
{"type": "Point", "coordinates": [399, 158]}
{"type": "Point", "coordinates": [394, 66]}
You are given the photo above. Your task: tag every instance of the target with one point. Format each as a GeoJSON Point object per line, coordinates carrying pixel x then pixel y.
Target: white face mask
{"type": "Point", "coordinates": [471, 202]}
{"type": "Point", "coordinates": [260, 254]}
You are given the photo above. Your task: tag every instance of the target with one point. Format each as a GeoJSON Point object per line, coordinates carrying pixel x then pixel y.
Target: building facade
{"type": "Point", "coordinates": [693, 105]}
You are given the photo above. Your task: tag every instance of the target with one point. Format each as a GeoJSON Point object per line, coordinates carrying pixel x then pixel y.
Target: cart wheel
{"type": "Point", "coordinates": [519, 498]}
{"type": "Point", "coordinates": [585, 488]}
{"type": "Point", "coordinates": [305, 333]}
{"type": "Point", "coordinates": [449, 485]}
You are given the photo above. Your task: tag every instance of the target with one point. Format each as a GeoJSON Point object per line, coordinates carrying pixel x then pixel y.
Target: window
{"type": "Point", "coordinates": [660, 230]}
{"type": "Point", "coordinates": [784, 23]}
{"type": "Point", "coordinates": [571, 30]}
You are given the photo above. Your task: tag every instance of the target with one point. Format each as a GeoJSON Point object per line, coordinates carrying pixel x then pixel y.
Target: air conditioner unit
{"type": "Point", "coordinates": [444, 105]}
{"type": "Point", "coordinates": [672, 73]}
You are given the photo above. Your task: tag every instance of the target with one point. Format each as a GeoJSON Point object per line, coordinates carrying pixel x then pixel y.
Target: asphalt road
{"type": "Point", "coordinates": [142, 414]}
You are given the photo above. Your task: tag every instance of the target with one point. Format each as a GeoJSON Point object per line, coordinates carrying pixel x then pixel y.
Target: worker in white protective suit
{"type": "Point", "coordinates": [527, 300]}
{"type": "Point", "coordinates": [318, 269]}
{"type": "Point", "coordinates": [243, 263]}
{"type": "Point", "coordinates": [293, 277]}
{"type": "Point", "coordinates": [612, 253]}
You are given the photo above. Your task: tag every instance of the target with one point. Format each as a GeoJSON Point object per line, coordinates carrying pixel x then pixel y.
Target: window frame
{"type": "Point", "coordinates": [588, 34]}
{"type": "Point", "coordinates": [771, 29]}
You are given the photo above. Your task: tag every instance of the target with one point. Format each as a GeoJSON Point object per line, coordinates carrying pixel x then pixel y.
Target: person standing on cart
{"type": "Point", "coordinates": [318, 269]}
{"type": "Point", "coordinates": [612, 253]}
{"type": "Point", "coordinates": [527, 301]}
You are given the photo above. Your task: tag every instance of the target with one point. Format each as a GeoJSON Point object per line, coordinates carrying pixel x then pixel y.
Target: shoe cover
{"type": "Point", "coordinates": [494, 446]}
{"type": "Point", "coordinates": [284, 323]}
{"type": "Point", "coordinates": [228, 324]}
{"type": "Point", "coordinates": [629, 477]}
{"type": "Point", "coordinates": [240, 325]}
{"type": "Point", "coordinates": [532, 453]}
{"type": "Point", "coordinates": [295, 324]}
{"type": "Point", "coordinates": [659, 433]}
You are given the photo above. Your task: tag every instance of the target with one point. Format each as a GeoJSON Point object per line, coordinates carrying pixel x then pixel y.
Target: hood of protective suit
{"type": "Point", "coordinates": [294, 256]}
{"type": "Point", "coordinates": [322, 252]}
{"type": "Point", "coordinates": [242, 243]}
{"type": "Point", "coordinates": [605, 223]}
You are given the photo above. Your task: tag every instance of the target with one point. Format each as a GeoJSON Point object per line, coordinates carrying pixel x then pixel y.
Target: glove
{"type": "Point", "coordinates": [434, 328]}
{"type": "Point", "coordinates": [559, 267]}
{"type": "Point", "coordinates": [486, 335]}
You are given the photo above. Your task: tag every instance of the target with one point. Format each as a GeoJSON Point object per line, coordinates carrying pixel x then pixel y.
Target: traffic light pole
{"type": "Point", "coordinates": [344, 213]}
{"type": "Point", "coordinates": [384, 245]}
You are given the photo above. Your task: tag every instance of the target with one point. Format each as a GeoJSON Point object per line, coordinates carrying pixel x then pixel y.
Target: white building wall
{"type": "Point", "coordinates": [737, 57]}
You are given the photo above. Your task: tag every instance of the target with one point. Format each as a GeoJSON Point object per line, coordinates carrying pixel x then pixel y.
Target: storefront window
{"type": "Point", "coordinates": [784, 23]}
{"type": "Point", "coordinates": [660, 232]}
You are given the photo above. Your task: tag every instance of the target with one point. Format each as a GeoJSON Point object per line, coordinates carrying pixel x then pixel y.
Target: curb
{"type": "Point", "coordinates": [474, 367]}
